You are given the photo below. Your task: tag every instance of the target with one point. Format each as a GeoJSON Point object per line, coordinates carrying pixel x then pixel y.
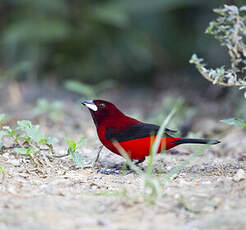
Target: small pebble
{"type": "Point", "coordinates": [6, 155]}
{"type": "Point", "coordinates": [14, 162]}
{"type": "Point", "coordinates": [239, 176]}
{"type": "Point", "coordinates": [206, 182]}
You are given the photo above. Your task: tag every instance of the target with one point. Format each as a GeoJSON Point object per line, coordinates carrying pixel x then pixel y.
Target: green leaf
{"type": "Point", "coordinates": [111, 14]}
{"type": "Point", "coordinates": [235, 121]}
{"type": "Point", "coordinates": [106, 84]}
{"type": "Point", "coordinates": [53, 109]}
{"type": "Point", "coordinates": [71, 143]}
{"type": "Point", "coordinates": [43, 106]}
{"type": "Point", "coordinates": [22, 150]}
{"type": "Point", "coordinates": [9, 132]}
{"type": "Point", "coordinates": [81, 142]}
{"type": "Point", "coordinates": [21, 135]}
{"type": "Point", "coordinates": [34, 133]}
{"type": "Point", "coordinates": [44, 140]}
{"type": "Point", "coordinates": [195, 60]}
{"type": "Point", "coordinates": [79, 87]}
{"type": "Point", "coordinates": [2, 170]}
{"type": "Point", "coordinates": [37, 30]}
{"type": "Point", "coordinates": [2, 134]}
{"type": "Point", "coordinates": [24, 124]}
{"type": "Point", "coordinates": [12, 131]}
{"type": "Point", "coordinates": [57, 105]}
{"type": "Point", "coordinates": [51, 140]}
{"type": "Point", "coordinates": [2, 118]}
{"type": "Point", "coordinates": [77, 159]}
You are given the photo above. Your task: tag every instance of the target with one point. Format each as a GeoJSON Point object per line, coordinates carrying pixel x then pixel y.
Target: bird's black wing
{"type": "Point", "coordinates": [133, 132]}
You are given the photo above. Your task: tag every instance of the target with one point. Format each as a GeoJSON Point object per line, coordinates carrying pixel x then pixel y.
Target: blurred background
{"type": "Point", "coordinates": [94, 40]}
{"type": "Point", "coordinates": [48, 48]}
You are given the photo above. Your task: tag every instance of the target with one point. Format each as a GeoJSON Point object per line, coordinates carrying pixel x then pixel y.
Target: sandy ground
{"type": "Point", "coordinates": [207, 193]}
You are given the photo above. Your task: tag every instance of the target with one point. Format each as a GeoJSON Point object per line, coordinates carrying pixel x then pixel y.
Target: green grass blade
{"type": "Point", "coordinates": [155, 145]}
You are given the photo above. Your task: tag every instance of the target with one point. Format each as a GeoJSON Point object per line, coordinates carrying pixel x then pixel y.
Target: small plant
{"type": "Point", "coordinates": [52, 109]}
{"type": "Point", "coordinates": [73, 147]}
{"type": "Point", "coordinates": [27, 139]}
{"type": "Point", "coordinates": [230, 30]}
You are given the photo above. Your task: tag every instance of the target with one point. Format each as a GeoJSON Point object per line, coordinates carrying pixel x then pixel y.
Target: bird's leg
{"type": "Point", "coordinates": [126, 166]}
{"type": "Point", "coordinates": [114, 170]}
{"type": "Point", "coordinates": [118, 168]}
{"type": "Point", "coordinates": [98, 155]}
{"type": "Point", "coordinates": [136, 163]}
{"type": "Point", "coordinates": [139, 161]}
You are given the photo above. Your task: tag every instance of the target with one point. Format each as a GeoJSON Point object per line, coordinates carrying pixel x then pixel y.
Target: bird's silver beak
{"type": "Point", "coordinates": [90, 105]}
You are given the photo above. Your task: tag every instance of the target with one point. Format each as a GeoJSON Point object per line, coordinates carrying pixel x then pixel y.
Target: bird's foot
{"type": "Point", "coordinates": [118, 169]}
{"type": "Point", "coordinates": [108, 171]}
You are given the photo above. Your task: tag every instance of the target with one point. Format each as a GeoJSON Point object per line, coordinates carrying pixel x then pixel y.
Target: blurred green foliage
{"type": "Point", "coordinates": [235, 121]}
{"type": "Point", "coordinates": [88, 90]}
{"type": "Point", "coordinates": [2, 118]}
{"type": "Point", "coordinates": [54, 110]}
{"type": "Point", "coordinates": [95, 40]}
{"type": "Point", "coordinates": [184, 113]}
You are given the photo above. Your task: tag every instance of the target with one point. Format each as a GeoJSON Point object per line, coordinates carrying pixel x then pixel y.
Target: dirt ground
{"type": "Point", "coordinates": [207, 193]}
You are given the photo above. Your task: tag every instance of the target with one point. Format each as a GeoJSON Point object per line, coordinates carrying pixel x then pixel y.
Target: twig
{"type": "Point", "coordinates": [60, 156]}
{"type": "Point", "coordinates": [98, 155]}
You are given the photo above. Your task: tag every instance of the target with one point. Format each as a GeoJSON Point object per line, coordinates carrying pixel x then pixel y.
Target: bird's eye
{"type": "Point", "coordinates": [102, 105]}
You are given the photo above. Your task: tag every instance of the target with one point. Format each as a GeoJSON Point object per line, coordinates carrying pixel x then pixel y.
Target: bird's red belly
{"type": "Point", "coordinates": [138, 149]}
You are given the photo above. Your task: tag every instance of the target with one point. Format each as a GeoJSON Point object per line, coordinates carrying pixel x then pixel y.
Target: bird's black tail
{"type": "Point", "coordinates": [196, 141]}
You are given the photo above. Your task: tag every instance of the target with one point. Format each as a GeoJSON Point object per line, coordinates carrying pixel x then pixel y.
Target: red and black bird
{"type": "Point", "coordinates": [134, 136]}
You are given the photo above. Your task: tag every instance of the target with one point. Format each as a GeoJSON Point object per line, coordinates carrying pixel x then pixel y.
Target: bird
{"type": "Point", "coordinates": [133, 136]}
